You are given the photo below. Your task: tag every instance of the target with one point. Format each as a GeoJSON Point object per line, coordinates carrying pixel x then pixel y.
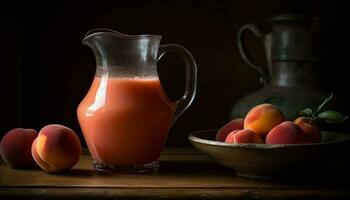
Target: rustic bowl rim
{"type": "Point", "coordinates": [195, 137]}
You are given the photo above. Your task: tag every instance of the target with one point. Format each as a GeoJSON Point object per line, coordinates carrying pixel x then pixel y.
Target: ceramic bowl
{"type": "Point", "coordinates": [273, 161]}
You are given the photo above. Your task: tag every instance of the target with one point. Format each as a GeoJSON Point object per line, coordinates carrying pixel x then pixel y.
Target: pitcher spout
{"type": "Point", "coordinates": [112, 48]}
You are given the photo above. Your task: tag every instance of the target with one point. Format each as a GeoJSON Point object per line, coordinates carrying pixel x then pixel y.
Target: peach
{"type": "Point", "coordinates": [243, 136]}
{"type": "Point", "coordinates": [235, 124]}
{"type": "Point", "coordinates": [310, 129]}
{"type": "Point", "coordinates": [287, 133]}
{"type": "Point", "coordinates": [262, 118]}
{"type": "Point", "coordinates": [15, 147]}
{"type": "Point", "coordinates": [57, 148]}
{"type": "Point", "coordinates": [230, 137]}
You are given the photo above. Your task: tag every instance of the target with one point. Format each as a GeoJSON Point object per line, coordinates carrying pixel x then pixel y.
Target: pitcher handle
{"type": "Point", "coordinates": [191, 76]}
{"type": "Point", "coordinates": [253, 28]}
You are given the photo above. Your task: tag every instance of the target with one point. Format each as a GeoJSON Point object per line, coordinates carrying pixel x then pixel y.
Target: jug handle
{"type": "Point", "coordinates": [253, 28]}
{"type": "Point", "coordinates": [191, 77]}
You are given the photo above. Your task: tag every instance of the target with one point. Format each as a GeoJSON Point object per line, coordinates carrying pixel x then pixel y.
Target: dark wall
{"type": "Point", "coordinates": [48, 70]}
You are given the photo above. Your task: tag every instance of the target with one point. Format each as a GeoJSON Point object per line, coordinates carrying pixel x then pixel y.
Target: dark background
{"type": "Point", "coordinates": [46, 71]}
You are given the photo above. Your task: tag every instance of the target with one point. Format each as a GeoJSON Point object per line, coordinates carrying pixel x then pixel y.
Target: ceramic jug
{"type": "Point", "coordinates": [125, 116]}
{"type": "Point", "coordinates": [291, 80]}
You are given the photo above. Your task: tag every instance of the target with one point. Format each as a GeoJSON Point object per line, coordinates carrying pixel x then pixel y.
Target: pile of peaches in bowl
{"type": "Point", "coordinates": [265, 145]}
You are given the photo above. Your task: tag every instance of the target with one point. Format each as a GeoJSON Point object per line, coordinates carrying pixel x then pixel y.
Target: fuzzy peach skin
{"type": "Point", "coordinates": [262, 118]}
{"type": "Point", "coordinates": [244, 136]}
{"type": "Point", "coordinates": [57, 148]}
{"type": "Point", "coordinates": [311, 130]}
{"type": "Point", "coordinates": [287, 133]}
{"type": "Point", "coordinates": [15, 147]}
{"type": "Point", "coordinates": [235, 124]}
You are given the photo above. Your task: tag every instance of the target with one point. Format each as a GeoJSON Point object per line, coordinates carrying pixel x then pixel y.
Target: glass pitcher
{"type": "Point", "coordinates": [125, 116]}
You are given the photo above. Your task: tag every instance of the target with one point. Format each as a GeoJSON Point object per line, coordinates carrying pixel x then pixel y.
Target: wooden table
{"type": "Point", "coordinates": [184, 174]}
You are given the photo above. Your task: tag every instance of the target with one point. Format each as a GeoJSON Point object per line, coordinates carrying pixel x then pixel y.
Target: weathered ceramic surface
{"type": "Point", "coordinates": [274, 161]}
{"type": "Point", "coordinates": [291, 81]}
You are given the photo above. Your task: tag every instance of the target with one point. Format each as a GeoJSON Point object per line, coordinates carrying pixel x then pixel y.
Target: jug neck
{"type": "Point", "coordinates": [294, 38]}
{"type": "Point", "coordinates": [124, 55]}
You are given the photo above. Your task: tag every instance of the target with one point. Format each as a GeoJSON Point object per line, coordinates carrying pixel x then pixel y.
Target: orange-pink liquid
{"type": "Point", "coordinates": [125, 121]}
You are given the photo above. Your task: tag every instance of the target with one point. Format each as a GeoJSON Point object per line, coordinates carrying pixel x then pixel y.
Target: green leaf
{"type": "Point", "coordinates": [306, 112]}
{"type": "Point", "coordinates": [319, 108]}
{"type": "Point", "coordinates": [332, 117]}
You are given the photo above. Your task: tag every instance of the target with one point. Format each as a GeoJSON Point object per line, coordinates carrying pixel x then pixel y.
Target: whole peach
{"type": "Point", "coordinates": [262, 118]}
{"type": "Point", "coordinates": [15, 147]}
{"type": "Point", "coordinates": [57, 148]}
{"type": "Point", "coordinates": [235, 124]}
{"type": "Point", "coordinates": [243, 137]}
{"type": "Point", "coordinates": [310, 129]}
{"type": "Point", "coordinates": [287, 133]}
{"type": "Point", "coordinates": [230, 137]}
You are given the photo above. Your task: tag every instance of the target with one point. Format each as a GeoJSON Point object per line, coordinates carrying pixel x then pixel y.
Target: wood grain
{"type": "Point", "coordinates": [183, 174]}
